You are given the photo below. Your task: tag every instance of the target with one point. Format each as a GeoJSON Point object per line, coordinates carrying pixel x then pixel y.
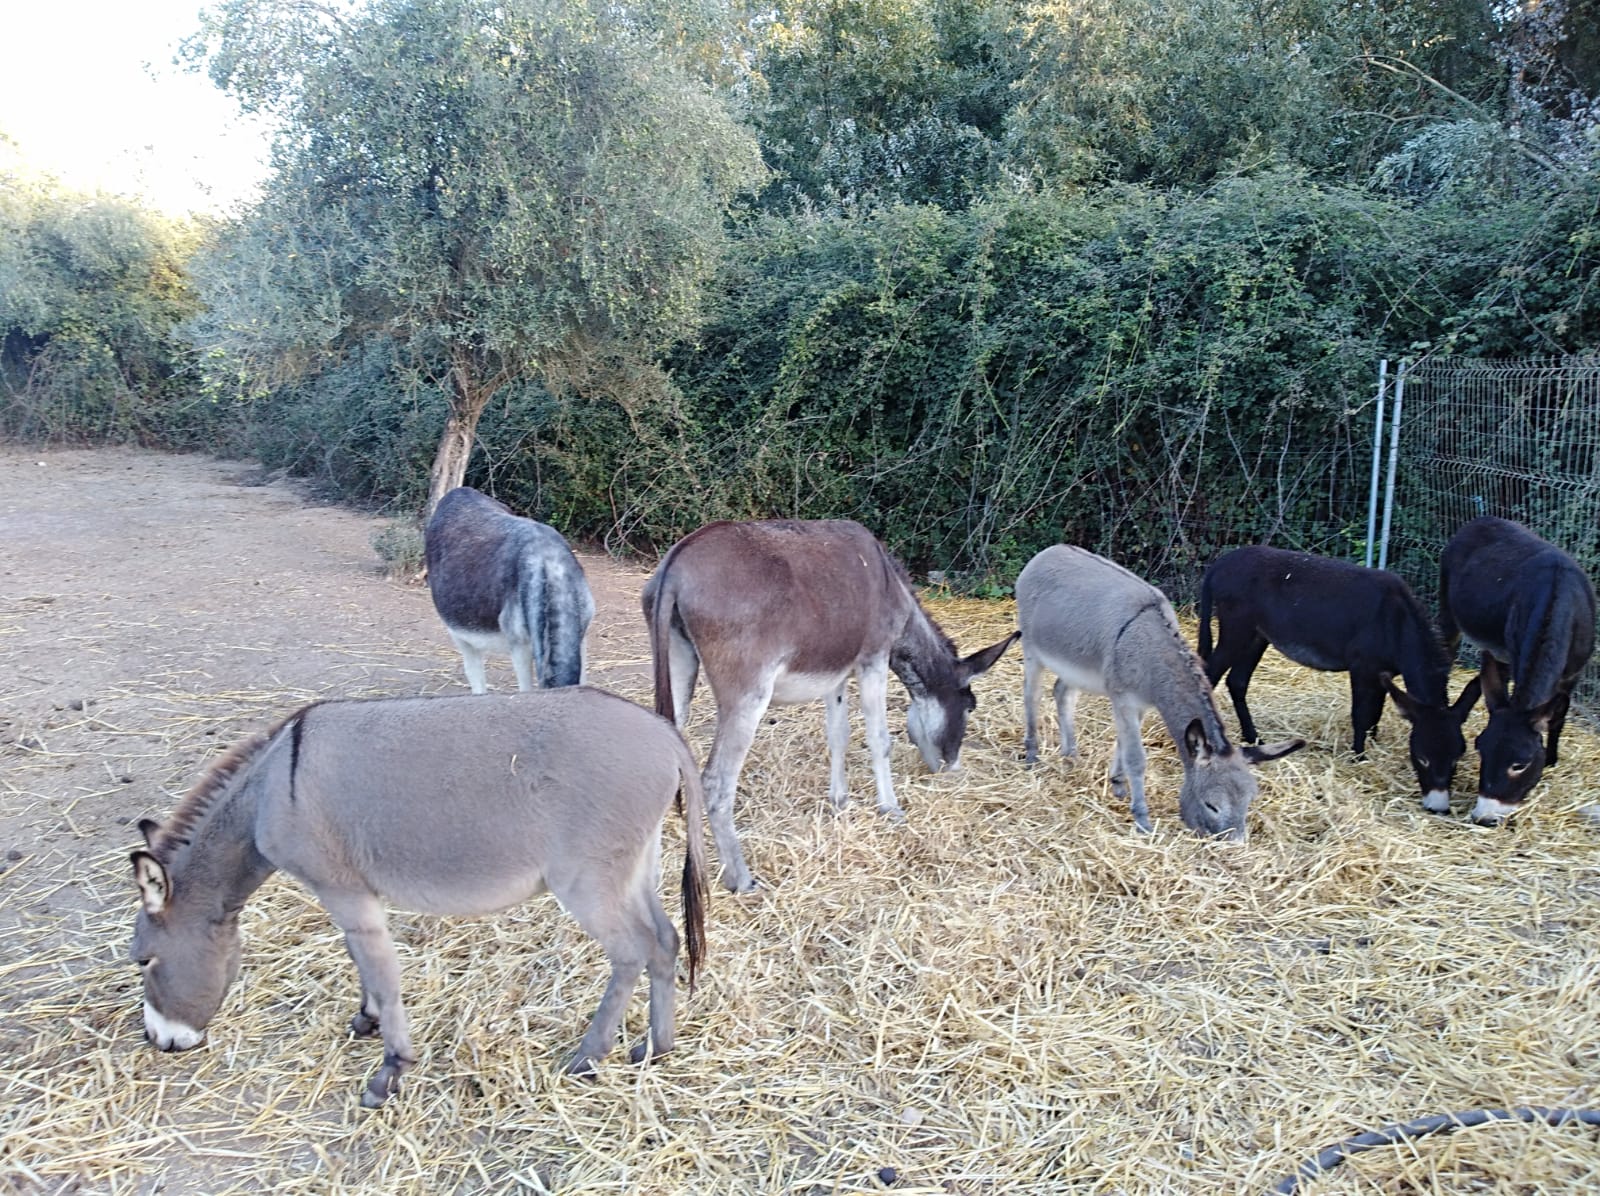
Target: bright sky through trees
{"type": "Point", "coordinates": [89, 93]}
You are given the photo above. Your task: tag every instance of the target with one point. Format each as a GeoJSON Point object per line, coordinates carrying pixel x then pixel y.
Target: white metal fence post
{"type": "Point", "coordinates": [1377, 458]}
{"type": "Point", "coordinates": [1394, 461]}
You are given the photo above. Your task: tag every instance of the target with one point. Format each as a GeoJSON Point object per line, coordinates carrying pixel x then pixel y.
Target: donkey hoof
{"type": "Point", "coordinates": [643, 1054]}
{"type": "Point", "coordinates": [384, 1084]}
{"type": "Point", "coordinates": [893, 814]}
{"type": "Point", "coordinates": [582, 1067]}
{"type": "Point", "coordinates": [363, 1025]}
{"type": "Point", "coordinates": [1142, 825]}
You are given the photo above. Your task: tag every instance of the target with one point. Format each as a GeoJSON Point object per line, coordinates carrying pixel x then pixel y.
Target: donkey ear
{"type": "Point", "coordinates": [1403, 702]}
{"type": "Point", "coordinates": [1194, 739]}
{"type": "Point", "coordinates": [983, 659]}
{"type": "Point", "coordinates": [149, 828]}
{"type": "Point", "coordinates": [151, 877]}
{"type": "Point", "coordinates": [1271, 751]}
{"type": "Point", "coordinates": [1539, 716]}
{"type": "Point", "coordinates": [1493, 683]}
{"type": "Point", "coordinates": [1468, 699]}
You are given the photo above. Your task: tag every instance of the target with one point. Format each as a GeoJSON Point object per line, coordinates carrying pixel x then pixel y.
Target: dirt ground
{"type": "Point", "coordinates": [151, 602]}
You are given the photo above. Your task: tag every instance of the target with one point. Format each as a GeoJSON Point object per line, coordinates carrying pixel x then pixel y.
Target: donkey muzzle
{"type": "Point", "coordinates": [167, 1034]}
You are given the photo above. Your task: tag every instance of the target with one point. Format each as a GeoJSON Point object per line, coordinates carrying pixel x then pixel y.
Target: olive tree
{"type": "Point", "coordinates": [501, 188]}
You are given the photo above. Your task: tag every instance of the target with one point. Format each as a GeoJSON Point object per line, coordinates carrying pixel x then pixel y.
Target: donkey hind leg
{"type": "Point", "coordinates": [1127, 765]}
{"type": "Point", "coordinates": [1031, 670]}
{"type": "Point", "coordinates": [1066, 716]}
{"type": "Point", "coordinates": [872, 675]}
{"type": "Point", "coordinates": [522, 662]}
{"type": "Point", "coordinates": [737, 721]}
{"type": "Point", "coordinates": [683, 667]}
{"type": "Point", "coordinates": [1366, 709]}
{"type": "Point", "coordinates": [634, 931]}
{"type": "Point", "coordinates": [1239, 674]}
{"type": "Point", "coordinates": [366, 938]}
{"type": "Point", "coordinates": [837, 717]}
{"type": "Point", "coordinates": [471, 663]}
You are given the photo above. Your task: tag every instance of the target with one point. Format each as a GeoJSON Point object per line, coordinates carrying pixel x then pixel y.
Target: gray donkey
{"type": "Point", "coordinates": [1099, 628]}
{"type": "Point", "coordinates": [456, 805]}
{"type": "Point", "coordinates": [502, 583]}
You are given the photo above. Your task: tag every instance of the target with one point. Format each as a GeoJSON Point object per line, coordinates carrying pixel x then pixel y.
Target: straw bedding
{"type": "Point", "coordinates": [1009, 992]}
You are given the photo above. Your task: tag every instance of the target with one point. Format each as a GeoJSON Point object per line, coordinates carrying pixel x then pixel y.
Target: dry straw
{"type": "Point", "coordinates": [1010, 992]}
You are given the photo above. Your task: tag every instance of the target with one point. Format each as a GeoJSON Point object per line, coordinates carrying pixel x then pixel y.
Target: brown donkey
{"type": "Point", "coordinates": [458, 805]}
{"type": "Point", "coordinates": [784, 611]}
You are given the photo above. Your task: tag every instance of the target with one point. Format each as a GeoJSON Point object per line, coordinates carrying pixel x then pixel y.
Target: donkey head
{"type": "Point", "coordinates": [936, 720]}
{"type": "Point", "coordinates": [1436, 740]}
{"type": "Point", "coordinates": [1511, 755]}
{"type": "Point", "coordinates": [1218, 789]}
{"type": "Point", "coordinates": [187, 949]}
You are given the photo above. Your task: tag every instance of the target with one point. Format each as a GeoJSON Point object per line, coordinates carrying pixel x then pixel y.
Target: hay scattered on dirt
{"type": "Point", "coordinates": [1010, 992]}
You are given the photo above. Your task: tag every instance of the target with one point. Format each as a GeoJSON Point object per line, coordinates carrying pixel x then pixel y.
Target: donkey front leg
{"type": "Point", "coordinates": [872, 676]}
{"type": "Point", "coordinates": [837, 720]}
{"type": "Point", "coordinates": [1128, 763]}
{"type": "Point", "coordinates": [1066, 717]}
{"type": "Point", "coordinates": [366, 937]}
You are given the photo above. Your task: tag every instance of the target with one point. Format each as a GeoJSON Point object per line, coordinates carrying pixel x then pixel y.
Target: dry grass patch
{"type": "Point", "coordinates": [1010, 992]}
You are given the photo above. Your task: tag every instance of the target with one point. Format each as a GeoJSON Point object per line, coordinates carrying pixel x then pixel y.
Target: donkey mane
{"type": "Point", "coordinates": [175, 831]}
{"type": "Point", "coordinates": [1197, 673]}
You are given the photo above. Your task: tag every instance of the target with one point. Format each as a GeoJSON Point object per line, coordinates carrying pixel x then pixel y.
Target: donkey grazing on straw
{"type": "Point", "coordinates": [784, 611]}
{"type": "Point", "coordinates": [502, 583]}
{"type": "Point", "coordinates": [1341, 618]}
{"type": "Point", "coordinates": [1523, 601]}
{"type": "Point", "coordinates": [1099, 628]}
{"type": "Point", "coordinates": [455, 805]}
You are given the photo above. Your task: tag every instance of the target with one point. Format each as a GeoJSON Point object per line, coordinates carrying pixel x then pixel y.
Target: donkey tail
{"type": "Point", "coordinates": [659, 604]}
{"type": "Point", "coordinates": [691, 800]}
{"type": "Point", "coordinates": [1205, 617]}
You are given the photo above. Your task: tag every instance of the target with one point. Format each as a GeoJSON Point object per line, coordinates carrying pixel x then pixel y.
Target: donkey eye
{"type": "Point", "coordinates": [1422, 760]}
{"type": "Point", "coordinates": [1210, 806]}
{"type": "Point", "coordinates": [1516, 770]}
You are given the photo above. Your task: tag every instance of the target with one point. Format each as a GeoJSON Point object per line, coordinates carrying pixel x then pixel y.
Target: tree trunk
{"type": "Point", "coordinates": [455, 446]}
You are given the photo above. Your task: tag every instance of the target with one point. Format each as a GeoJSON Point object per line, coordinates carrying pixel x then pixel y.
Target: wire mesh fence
{"type": "Point", "coordinates": [1518, 439]}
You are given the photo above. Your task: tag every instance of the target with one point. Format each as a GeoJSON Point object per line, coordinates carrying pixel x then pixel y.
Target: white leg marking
{"type": "Point", "coordinates": [1436, 801]}
{"type": "Point", "coordinates": [169, 1035]}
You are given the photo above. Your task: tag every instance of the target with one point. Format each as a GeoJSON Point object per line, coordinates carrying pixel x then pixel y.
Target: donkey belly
{"type": "Point", "coordinates": [1313, 656]}
{"type": "Point", "coordinates": [791, 688]}
{"type": "Point", "coordinates": [1074, 674]}
{"type": "Point", "coordinates": [484, 642]}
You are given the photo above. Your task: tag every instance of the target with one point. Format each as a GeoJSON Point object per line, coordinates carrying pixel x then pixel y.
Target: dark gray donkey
{"type": "Point", "coordinates": [784, 611]}
{"type": "Point", "coordinates": [502, 583]}
{"type": "Point", "coordinates": [1525, 602]}
{"type": "Point", "coordinates": [1099, 628]}
{"type": "Point", "coordinates": [456, 805]}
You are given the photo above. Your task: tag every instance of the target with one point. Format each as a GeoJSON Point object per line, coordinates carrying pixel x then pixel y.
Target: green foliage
{"type": "Point", "coordinates": [866, 102]}
{"type": "Point", "coordinates": [1152, 375]}
{"type": "Point", "coordinates": [495, 190]}
{"type": "Point", "coordinates": [91, 288]}
{"type": "Point", "coordinates": [399, 546]}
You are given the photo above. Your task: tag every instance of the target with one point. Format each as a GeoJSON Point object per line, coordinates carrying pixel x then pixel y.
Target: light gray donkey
{"type": "Point", "coordinates": [502, 583]}
{"type": "Point", "coordinates": [784, 611]}
{"type": "Point", "coordinates": [1099, 628]}
{"type": "Point", "coordinates": [455, 805]}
